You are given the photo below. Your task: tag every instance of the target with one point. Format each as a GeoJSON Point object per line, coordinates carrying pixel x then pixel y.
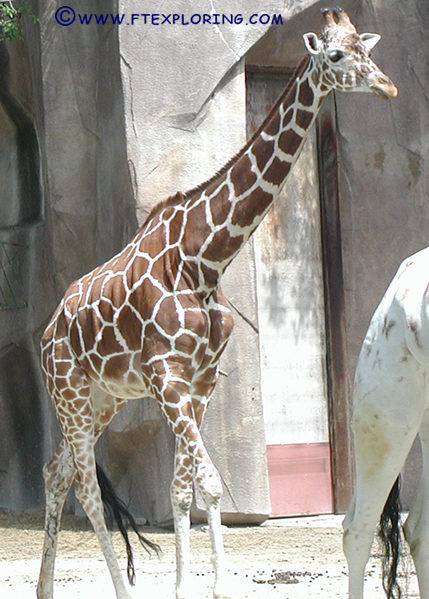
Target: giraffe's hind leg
{"type": "Point", "coordinates": [387, 416]}
{"type": "Point", "coordinates": [89, 496]}
{"type": "Point", "coordinates": [58, 474]}
{"type": "Point", "coordinates": [417, 525]}
{"type": "Point", "coordinates": [74, 458]}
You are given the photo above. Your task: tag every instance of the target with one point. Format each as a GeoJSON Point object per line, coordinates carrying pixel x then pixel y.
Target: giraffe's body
{"type": "Point", "coordinates": [153, 321]}
{"type": "Point", "coordinates": [391, 407]}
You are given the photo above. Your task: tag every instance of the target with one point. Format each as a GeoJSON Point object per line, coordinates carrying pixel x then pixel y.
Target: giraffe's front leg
{"type": "Point", "coordinates": [210, 486]}
{"type": "Point", "coordinates": [192, 463]}
{"type": "Point", "coordinates": [181, 500]}
{"type": "Point", "coordinates": [209, 483]}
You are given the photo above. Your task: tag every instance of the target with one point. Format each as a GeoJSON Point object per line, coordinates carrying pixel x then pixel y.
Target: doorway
{"type": "Point", "coordinates": [291, 315]}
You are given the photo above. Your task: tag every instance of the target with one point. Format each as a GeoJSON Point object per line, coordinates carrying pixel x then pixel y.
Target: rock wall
{"type": "Point", "coordinates": [121, 117]}
{"type": "Point", "coordinates": [67, 205]}
{"type": "Point", "coordinates": [384, 173]}
{"type": "Point", "coordinates": [100, 122]}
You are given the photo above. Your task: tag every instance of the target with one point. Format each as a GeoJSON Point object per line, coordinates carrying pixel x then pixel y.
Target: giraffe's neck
{"type": "Point", "coordinates": [221, 217]}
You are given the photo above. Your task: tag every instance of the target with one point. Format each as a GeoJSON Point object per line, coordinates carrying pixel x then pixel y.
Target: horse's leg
{"type": "Point", "coordinates": [417, 525]}
{"type": "Point", "coordinates": [388, 409]}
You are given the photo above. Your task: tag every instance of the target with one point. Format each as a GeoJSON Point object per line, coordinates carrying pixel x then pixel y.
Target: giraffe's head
{"type": "Point", "coordinates": [343, 57]}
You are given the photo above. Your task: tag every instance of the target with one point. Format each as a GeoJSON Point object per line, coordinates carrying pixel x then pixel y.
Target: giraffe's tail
{"type": "Point", "coordinates": [117, 511]}
{"type": "Point", "coordinates": [391, 539]}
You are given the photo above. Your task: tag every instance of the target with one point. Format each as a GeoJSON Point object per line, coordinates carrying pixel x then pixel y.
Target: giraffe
{"type": "Point", "coordinates": [153, 321]}
{"type": "Point", "coordinates": [391, 407]}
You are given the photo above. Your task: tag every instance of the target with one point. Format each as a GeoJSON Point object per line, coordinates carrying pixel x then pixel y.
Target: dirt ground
{"type": "Point", "coordinates": [298, 558]}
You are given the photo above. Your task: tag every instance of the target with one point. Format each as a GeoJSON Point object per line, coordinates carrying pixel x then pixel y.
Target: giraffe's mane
{"type": "Point", "coordinates": [180, 197]}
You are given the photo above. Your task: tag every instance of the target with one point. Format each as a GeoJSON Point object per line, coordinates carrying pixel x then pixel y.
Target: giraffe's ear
{"type": "Point", "coordinates": [312, 43]}
{"type": "Point", "coordinates": [369, 40]}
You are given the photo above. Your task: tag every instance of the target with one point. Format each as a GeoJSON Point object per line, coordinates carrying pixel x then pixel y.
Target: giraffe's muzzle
{"type": "Point", "coordinates": [384, 88]}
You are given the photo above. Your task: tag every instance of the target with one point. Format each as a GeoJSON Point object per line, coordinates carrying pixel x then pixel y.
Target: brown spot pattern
{"type": "Point", "coordinates": [167, 317]}
{"type": "Point", "coordinates": [106, 311]}
{"type": "Point", "coordinates": [101, 307]}
{"type": "Point", "coordinates": [75, 337]}
{"type": "Point", "coordinates": [211, 276]}
{"type": "Point", "coordinates": [222, 246]}
{"type": "Point", "coordinates": [154, 344]}
{"type": "Point", "coordinates": [144, 297]}
{"type": "Point", "coordinates": [303, 118]}
{"type": "Point", "coordinates": [153, 243]}
{"type": "Point", "coordinates": [289, 141]}
{"type": "Point", "coordinates": [306, 95]}
{"type": "Point", "coordinates": [277, 171]}
{"type": "Point", "coordinates": [219, 206]}
{"type": "Point", "coordinates": [196, 229]}
{"type": "Point", "coordinates": [250, 207]}
{"type": "Point", "coordinates": [263, 151]}
{"type": "Point", "coordinates": [115, 290]}
{"type": "Point", "coordinates": [222, 324]}
{"type": "Point", "coordinates": [273, 126]}
{"type": "Point", "coordinates": [116, 367]}
{"type": "Point", "coordinates": [95, 360]}
{"type": "Point", "coordinates": [131, 328]}
{"type": "Point", "coordinates": [242, 176]}
{"type": "Point", "coordinates": [108, 343]}
{"type": "Point", "coordinates": [287, 117]}
{"type": "Point", "coordinates": [175, 227]}
{"type": "Point", "coordinates": [185, 344]}
{"type": "Point", "coordinates": [220, 180]}
{"type": "Point", "coordinates": [138, 268]}
{"type": "Point", "coordinates": [196, 322]}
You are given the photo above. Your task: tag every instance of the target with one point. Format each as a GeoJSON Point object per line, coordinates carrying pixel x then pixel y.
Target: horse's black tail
{"type": "Point", "coordinates": [391, 539]}
{"type": "Point", "coordinates": [116, 511]}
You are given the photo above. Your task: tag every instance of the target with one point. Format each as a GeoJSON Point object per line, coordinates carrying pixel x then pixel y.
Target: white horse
{"type": "Point", "coordinates": [391, 407]}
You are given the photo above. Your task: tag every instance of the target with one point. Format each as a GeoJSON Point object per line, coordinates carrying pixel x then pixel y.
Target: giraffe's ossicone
{"type": "Point", "coordinates": [153, 321]}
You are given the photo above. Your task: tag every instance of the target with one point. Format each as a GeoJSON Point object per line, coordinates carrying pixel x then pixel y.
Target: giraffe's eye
{"type": "Point", "coordinates": [335, 55]}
